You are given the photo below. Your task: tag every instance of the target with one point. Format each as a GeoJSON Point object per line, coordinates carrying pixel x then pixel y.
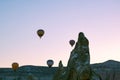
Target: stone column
{"type": "Point", "coordinates": [78, 67]}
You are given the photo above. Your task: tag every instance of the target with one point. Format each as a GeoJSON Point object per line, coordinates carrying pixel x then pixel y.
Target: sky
{"type": "Point", "coordinates": [62, 20]}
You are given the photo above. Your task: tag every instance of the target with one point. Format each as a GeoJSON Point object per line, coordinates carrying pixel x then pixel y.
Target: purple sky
{"type": "Point", "coordinates": [62, 20]}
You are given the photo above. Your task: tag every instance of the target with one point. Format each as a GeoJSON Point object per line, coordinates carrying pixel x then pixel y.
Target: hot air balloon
{"type": "Point", "coordinates": [50, 63]}
{"type": "Point", "coordinates": [72, 42]}
{"type": "Point", "coordinates": [15, 66]}
{"type": "Point", "coordinates": [40, 32]}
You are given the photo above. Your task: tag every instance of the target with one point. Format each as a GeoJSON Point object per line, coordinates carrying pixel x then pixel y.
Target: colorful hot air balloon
{"type": "Point", "coordinates": [15, 66]}
{"type": "Point", "coordinates": [40, 32]}
{"type": "Point", "coordinates": [72, 42]}
{"type": "Point", "coordinates": [50, 63]}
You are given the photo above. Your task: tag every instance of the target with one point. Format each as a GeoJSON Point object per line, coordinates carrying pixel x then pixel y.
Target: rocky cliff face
{"type": "Point", "coordinates": [78, 67]}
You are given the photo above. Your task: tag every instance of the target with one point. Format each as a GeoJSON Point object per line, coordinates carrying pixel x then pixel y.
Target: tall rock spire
{"type": "Point", "coordinates": [78, 67]}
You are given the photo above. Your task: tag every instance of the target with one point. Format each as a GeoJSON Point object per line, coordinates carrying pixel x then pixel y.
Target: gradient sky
{"type": "Point", "coordinates": [62, 20]}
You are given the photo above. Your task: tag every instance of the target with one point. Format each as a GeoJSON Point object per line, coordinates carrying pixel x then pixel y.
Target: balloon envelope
{"type": "Point", "coordinates": [50, 63]}
{"type": "Point", "coordinates": [72, 42]}
{"type": "Point", "coordinates": [40, 32]}
{"type": "Point", "coordinates": [15, 66]}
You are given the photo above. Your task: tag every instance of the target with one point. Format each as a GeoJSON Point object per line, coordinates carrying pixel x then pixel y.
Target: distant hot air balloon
{"type": "Point", "coordinates": [40, 32]}
{"type": "Point", "coordinates": [72, 42]}
{"type": "Point", "coordinates": [50, 63]}
{"type": "Point", "coordinates": [15, 66]}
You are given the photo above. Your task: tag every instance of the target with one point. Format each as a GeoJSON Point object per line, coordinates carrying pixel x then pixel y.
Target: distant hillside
{"type": "Point", "coordinates": [109, 70]}
{"type": "Point", "coordinates": [111, 64]}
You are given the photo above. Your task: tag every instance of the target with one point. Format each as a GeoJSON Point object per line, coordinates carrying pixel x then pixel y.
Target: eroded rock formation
{"type": "Point", "coordinates": [59, 72]}
{"type": "Point", "coordinates": [78, 67]}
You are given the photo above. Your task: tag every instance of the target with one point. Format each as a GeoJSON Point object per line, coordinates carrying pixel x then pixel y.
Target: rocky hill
{"type": "Point", "coordinates": [109, 70]}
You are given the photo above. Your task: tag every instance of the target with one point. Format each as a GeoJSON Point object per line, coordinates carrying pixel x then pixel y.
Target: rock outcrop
{"type": "Point", "coordinates": [78, 67]}
{"type": "Point", "coordinates": [59, 72]}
